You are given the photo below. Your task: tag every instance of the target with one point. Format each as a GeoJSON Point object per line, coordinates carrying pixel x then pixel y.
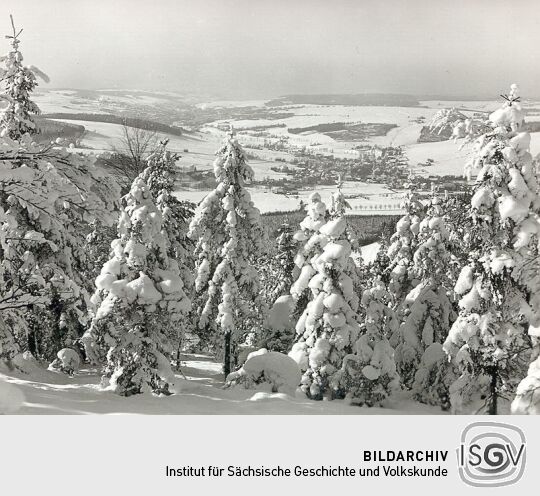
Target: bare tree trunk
{"type": "Point", "coordinates": [178, 353]}
{"type": "Point", "coordinates": [227, 354]}
{"type": "Point", "coordinates": [493, 392]}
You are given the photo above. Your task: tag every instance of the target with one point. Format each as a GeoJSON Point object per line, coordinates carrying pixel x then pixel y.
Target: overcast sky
{"type": "Point", "coordinates": [256, 48]}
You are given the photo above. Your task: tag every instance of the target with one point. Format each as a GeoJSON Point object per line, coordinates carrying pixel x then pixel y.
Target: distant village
{"type": "Point", "coordinates": [319, 166]}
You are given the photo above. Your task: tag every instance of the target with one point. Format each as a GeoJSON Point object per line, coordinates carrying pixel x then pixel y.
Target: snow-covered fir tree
{"type": "Point", "coordinates": [55, 324]}
{"type": "Point", "coordinates": [9, 348]}
{"type": "Point", "coordinates": [140, 301]}
{"type": "Point", "coordinates": [448, 123]}
{"type": "Point", "coordinates": [277, 277]}
{"type": "Point", "coordinates": [369, 374]}
{"type": "Point", "coordinates": [379, 268]}
{"type": "Point", "coordinates": [47, 197]}
{"type": "Point", "coordinates": [453, 124]}
{"type": "Point", "coordinates": [160, 175]}
{"type": "Point", "coordinates": [428, 314]}
{"type": "Point", "coordinates": [402, 246]}
{"type": "Point", "coordinates": [18, 81]}
{"type": "Point", "coordinates": [229, 237]}
{"type": "Point", "coordinates": [43, 192]}
{"type": "Point", "coordinates": [327, 329]}
{"type": "Point", "coordinates": [527, 400]}
{"type": "Point", "coordinates": [281, 277]}
{"type": "Point", "coordinates": [311, 245]}
{"type": "Point", "coordinates": [456, 219]}
{"type": "Point", "coordinates": [98, 247]}
{"type": "Point", "coordinates": [488, 343]}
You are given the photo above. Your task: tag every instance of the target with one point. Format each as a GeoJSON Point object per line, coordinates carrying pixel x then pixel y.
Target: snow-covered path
{"type": "Point", "coordinates": [53, 393]}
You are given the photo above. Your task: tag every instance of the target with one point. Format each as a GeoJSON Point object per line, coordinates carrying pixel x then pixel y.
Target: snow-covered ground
{"type": "Point", "coordinates": [104, 101]}
{"type": "Point", "coordinates": [65, 101]}
{"type": "Point", "coordinates": [372, 198]}
{"type": "Point", "coordinates": [369, 252]}
{"type": "Point", "coordinates": [449, 157]}
{"type": "Point", "coordinates": [201, 392]}
{"type": "Point", "coordinates": [104, 136]}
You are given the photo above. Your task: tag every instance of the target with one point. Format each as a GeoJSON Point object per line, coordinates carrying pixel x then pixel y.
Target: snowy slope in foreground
{"type": "Point", "coordinates": [52, 393]}
{"type": "Point", "coordinates": [11, 397]}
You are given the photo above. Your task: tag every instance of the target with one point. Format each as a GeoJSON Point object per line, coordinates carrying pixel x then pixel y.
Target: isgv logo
{"type": "Point", "coordinates": [491, 454]}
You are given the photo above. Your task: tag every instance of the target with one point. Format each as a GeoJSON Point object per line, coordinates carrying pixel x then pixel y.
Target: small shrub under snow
{"type": "Point", "coordinates": [276, 370]}
{"type": "Point", "coordinates": [67, 361]}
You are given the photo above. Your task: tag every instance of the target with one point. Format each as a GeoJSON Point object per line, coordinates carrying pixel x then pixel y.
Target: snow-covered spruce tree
{"type": "Point", "coordinates": [379, 268]}
{"type": "Point", "coordinates": [98, 247]}
{"type": "Point", "coordinates": [311, 245]}
{"type": "Point", "coordinates": [277, 277]}
{"type": "Point", "coordinates": [229, 237]}
{"type": "Point", "coordinates": [453, 124]}
{"type": "Point", "coordinates": [139, 299]}
{"type": "Point", "coordinates": [18, 82]}
{"type": "Point", "coordinates": [9, 348]}
{"type": "Point", "coordinates": [448, 123]}
{"type": "Point", "coordinates": [47, 196]}
{"type": "Point", "coordinates": [160, 175]}
{"type": "Point", "coordinates": [327, 329]}
{"type": "Point", "coordinates": [488, 342]}
{"type": "Point", "coordinates": [428, 314]}
{"type": "Point", "coordinates": [527, 400]}
{"type": "Point", "coordinates": [402, 246]}
{"type": "Point", "coordinates": [369, 374]}
{"type": "Point", "coordinates": [43, 192]}
{"type": "Point", "coordinates": [282, 278]}
{"type": "Point", "coordinates": [457, 220]}
{"type": "Point", "coordinates": [55, 324]}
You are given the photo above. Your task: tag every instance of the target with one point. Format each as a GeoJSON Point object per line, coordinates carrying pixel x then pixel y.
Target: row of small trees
{"type": "Point", "coordinates": [449, 309]}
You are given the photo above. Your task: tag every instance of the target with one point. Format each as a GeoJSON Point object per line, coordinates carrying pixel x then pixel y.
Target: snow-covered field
{"type": "Point", "coordinates": [405, 134]}
{"type": "Point", "coordinates": [372, 198]}
{"type": "Point", "coordinates": [104, 136]}
{"type": "Point", "coordinates": [448, 156]}
{"type": "Point", "coordinates": [65, 101]}
{"type": "Point", "coordinates": [201, 392]}
{"type": "Point", "coordinates": [73, 101]}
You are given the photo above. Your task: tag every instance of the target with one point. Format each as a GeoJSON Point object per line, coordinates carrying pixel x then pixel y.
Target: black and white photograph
{"type": "Point", "coordinates": [239, 207]}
